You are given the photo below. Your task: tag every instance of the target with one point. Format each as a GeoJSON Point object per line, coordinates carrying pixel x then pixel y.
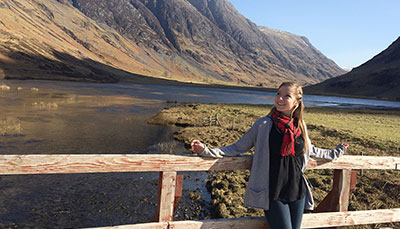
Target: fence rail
{"type": "Point", "coordinates": [311, 220]}
{"type": "Point", "coordinates": [169, 165]}
{"type": "Point", "coordinates": [97, 163]}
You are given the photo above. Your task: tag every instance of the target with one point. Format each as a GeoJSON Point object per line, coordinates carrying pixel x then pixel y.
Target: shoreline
{"type": "Point", "coordinates": [249, 88]}
{"type": "Point", "coordinates": [160, 81]}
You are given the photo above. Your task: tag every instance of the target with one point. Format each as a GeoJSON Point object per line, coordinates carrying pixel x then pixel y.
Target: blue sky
{"type": "Point", "coordinates": [348, 32]}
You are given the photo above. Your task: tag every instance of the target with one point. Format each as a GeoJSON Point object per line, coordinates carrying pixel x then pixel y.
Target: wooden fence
{"type": "Point", "coordinates": [169, 165]}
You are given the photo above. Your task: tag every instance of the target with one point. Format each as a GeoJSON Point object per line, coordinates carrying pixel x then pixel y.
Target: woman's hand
{"type": "Point", "coordinates": [197, 146]}
{"type": "Point", "coordinates": [345, 144]}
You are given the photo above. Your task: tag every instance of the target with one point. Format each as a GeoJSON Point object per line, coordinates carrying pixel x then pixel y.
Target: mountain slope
{"type": "Point", "coordinates": [377, 78]}
{"type": "Point", "coordinates": [203, 41]}
{"type": "Point", "coordinates": [50, 40]}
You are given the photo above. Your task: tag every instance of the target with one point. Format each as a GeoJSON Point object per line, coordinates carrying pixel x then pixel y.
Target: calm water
{"type": "Point", "coordinates": [205, 95]}
{"type": "Point", "coordinates": [44, 117]}
{"type": "Point", "coordinates": [67, 117]}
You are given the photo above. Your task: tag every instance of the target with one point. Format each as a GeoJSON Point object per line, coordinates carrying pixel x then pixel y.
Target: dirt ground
{"type": "Point", "coordinates": [219, 124]}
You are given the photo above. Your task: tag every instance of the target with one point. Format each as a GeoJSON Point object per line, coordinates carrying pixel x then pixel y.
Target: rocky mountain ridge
{"type": "Point", "coordinates": [377, 78]}
{"type": "Point", "coordinates": [199, 41]}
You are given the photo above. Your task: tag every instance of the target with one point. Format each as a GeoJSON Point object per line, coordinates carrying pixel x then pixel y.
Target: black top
{"type": "Point", "coordinates": [286, 179]}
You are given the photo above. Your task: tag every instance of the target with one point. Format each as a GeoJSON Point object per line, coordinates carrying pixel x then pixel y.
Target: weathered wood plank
{"type": "Point", "coordinates": [237, 223]}
{"type": "Point", "coordinates": [178, 190]}
{"type": "Point", "coordinates": [96, 163]}
{"type": "Point", "coordinates": [161, 225]}
{"type": "Point", "coordinates": [167, 196]}
{"type": "Point", "coordinates": [313, 220]}
{"type": "Point", "coordinates": [334, 219]}
{"type": "Point", "coordinates": [343, 189]}
{"type": "Point", "coordinates": [359, 162]}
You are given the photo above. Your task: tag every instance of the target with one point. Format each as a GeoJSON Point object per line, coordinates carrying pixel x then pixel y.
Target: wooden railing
{"type": "Point", "coordinates": [169, 165]}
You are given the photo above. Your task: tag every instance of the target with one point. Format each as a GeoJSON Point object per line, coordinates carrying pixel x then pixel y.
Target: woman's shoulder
{"type": "Point", "coordinates": [264, 120]}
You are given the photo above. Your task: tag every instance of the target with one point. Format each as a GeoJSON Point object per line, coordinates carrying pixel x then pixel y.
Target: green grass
{"type": "Point", "coordinates": [368, 132]}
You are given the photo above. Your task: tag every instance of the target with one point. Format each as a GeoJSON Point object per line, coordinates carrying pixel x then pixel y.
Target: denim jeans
{"type": "Point", "coordinates": [285, 216]}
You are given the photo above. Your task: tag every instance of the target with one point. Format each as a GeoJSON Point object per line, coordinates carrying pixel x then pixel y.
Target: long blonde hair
{"type": "Point", "coordinates": [298, 112]}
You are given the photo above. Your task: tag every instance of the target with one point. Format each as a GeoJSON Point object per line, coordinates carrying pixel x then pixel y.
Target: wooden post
{"type": "Point", "coordinates": [343, 189]}
{"type": "Point", "coordinates": [167, 183]}
{"type": "Point", "coordinates": [338, 198]}
{"type": "Point", "coordinates": [353, 180]}
{"type": "Point", "coordinates": [361, 170]}
{"type": "Point", "coordinates": [178, 190]}
{"type": "Point", "coordinates": [217, 122]}
{"type": "Point", "coordinates": [177, 195]}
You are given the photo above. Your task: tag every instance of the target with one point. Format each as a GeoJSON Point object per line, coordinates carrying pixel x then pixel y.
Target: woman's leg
{"type": "Point", "coordinates": [278, 215]}
{"type": "Point", "coordinates": [296, 212]}
{"type": "Point", "coordinates": [284, 216]}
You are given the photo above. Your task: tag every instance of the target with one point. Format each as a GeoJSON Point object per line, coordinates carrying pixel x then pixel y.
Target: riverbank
{"type": "Point", "coordinates": [160, 81]}
{"type": "Point", "coordinates": [369, 132]}
{"type": "Point", "coordinates": [307, 90]}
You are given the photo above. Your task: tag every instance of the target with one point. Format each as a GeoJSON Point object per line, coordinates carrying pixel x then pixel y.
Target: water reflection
{"type": "Point", "coordinates": [48, 121]}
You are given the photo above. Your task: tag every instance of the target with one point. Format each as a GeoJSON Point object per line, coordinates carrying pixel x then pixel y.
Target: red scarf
{"type": "Point", "coordinates": [289, 129]}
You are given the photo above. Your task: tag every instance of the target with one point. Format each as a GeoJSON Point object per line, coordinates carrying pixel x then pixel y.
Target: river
{"type": "Point", "coordinates": [46, 117]}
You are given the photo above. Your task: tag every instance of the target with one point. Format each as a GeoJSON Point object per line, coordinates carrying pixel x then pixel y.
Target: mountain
{"type": "Point", "coordinates": [377, 78]}
{"type": "Point", "coordinates": [201, 41]}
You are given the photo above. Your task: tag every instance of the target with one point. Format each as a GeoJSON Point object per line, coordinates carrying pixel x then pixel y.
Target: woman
{"type": "Point", "coordinates": [282, 150]}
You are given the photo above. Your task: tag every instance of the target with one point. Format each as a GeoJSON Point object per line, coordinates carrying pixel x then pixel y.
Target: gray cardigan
{"type": "Point", "coordinates": [257, 192]}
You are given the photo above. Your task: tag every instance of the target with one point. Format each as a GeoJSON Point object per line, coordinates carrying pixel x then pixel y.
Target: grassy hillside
{"type": "Point", "coordinates": [377, 78]}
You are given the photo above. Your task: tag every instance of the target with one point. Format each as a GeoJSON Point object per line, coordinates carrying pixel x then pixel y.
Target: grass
{"type": "Point", "coordinates": [369, 132]}
{"type": "Point", "coordinates": [10, 126]}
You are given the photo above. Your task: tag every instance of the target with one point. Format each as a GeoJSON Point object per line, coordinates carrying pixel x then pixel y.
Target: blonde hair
{"type": "Point", "coordinates": [298, 112]}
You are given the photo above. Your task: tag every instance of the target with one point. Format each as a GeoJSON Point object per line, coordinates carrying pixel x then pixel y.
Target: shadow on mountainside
{"type": "Point", "coordinates": [63, 67]}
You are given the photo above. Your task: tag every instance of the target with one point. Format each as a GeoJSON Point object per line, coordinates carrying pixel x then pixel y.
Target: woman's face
{"type": "Point", "coordinates": [285, 100]}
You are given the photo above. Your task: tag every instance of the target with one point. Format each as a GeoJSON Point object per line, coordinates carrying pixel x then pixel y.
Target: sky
{"type": "Point", "coordinates": [349, 32]}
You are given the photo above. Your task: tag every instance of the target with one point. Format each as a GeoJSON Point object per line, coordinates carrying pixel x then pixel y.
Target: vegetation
{"type": "Point", "coordinates": [369, 132]}
{"type": "Point", "coordinates": [9, 126]}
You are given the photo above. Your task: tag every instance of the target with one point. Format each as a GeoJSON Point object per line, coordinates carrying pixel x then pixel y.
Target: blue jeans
{"type": "Point", "coordinates": [285, 216]}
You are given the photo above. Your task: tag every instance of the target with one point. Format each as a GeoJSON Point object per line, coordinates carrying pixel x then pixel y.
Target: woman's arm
{"type": "Point", "coordinates": [328, 154]}
{"type": "Point", "coordinates": [244, 144]}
